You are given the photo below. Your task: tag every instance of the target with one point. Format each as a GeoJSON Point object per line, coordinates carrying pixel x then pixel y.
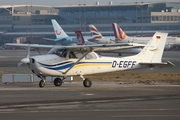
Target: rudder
{"type": "Point", "coordinates": [118, 32]}
{"type": "Point", "coordinates": [154, 49]}
{"type": "Point", "coordinates": [59, 32]}
{"type": "Point", "coordinates": [95, 33]}
{"type": "Point", "coordinates": [79, 37]}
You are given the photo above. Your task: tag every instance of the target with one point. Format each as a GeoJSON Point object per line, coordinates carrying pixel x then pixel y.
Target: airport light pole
{"type": "Point", "coordinates": [136, 17]}
{"type": "Point", "coordinates": [80, 24]}
{"type": "Point", "coordinates": [142, 19]}
{"type": "Point", "coordinates": [82, 16]}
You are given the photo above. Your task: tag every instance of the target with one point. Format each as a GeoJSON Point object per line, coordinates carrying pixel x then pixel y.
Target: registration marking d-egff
{"type": "Point", "coordinates": [123, 64]}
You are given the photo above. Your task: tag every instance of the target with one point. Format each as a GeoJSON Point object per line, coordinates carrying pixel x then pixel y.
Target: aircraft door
{"type": "Point", "coordinates": [91, 58]}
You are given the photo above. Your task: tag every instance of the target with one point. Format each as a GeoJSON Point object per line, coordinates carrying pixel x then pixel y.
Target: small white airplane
{"type": "Point", "coordinates": [121, 36]}
{"type": "Point", "coordinates": [63, 61]}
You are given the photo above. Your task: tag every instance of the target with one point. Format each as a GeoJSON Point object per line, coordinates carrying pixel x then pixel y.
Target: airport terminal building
{"type": "Point", "coordinates": [138, 18]}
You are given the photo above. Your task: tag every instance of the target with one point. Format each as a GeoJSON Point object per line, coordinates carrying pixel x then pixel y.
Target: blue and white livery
{"type": "Point", "coordinates": [82, 60]}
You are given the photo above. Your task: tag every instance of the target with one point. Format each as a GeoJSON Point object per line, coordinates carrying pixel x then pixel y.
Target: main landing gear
{"type": "Point", "coordinates": [86, 82]}
{"type": "Point", "coordinates": [58, 81]}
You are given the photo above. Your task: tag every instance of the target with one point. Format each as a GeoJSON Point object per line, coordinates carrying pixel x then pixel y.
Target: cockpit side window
{"type": "Point", "coordinates": [64, 53]}
{"type": "Point", "coordinates": [90, 56]}
{"type": "Point", "coordinates": [72, 55]}
{"type": "Point", "coordinates": [59, 52]}
{"type": "Point", "coordinates": [56, 51]}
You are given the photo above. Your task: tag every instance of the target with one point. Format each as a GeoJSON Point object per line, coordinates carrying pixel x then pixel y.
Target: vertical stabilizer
{"type": "Point", "coordinates": [95, 33]}
{"type": "Point", "coordinates": [59, 32]}
{"type": "Point", "coordinates": [153, 51]}
{"type": "Point", "coordinates": [79, 37]}
{"type": "Point", "coordinates": [118, 32]}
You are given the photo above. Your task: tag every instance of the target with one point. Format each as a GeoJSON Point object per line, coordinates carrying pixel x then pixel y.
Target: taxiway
{"type": "Point", "coordinates": [104, 100]}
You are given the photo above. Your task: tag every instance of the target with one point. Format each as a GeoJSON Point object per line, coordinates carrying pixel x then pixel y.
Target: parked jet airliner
{"type": "Point", "coordinates": [61, 36]}
{"type": "Point", "coordinates": [121, 36]}
{"type": "Point", "coordinates": [98, 38]}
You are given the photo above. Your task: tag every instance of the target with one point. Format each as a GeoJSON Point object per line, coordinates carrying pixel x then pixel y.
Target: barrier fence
{"type": "Point", "coordinates": [27, 78]}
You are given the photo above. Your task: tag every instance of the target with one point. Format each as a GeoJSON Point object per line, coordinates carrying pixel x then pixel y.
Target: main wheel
{"type": "Point", "coordinates": [57, 82]}
{"type": "Point", "coordinates": [41, 83]}
{"type": "Point", "coordinates": [87, 83]}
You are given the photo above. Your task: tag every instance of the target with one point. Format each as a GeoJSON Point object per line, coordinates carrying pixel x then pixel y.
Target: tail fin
{"type": "Point", "coordinates": [79, 37]}
{"type": "Point", "coordinates": [118, 32]}
{"type": "Point", "coordinates": [58, 30]}
{"type": "Point", "coordinates": [153, 51]}
{"type": "Point", "coordinates": [95, 33]}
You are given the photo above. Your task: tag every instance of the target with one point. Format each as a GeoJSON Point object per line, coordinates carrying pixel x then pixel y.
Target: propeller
{"type": "Point", "coordinates": [25, 60]}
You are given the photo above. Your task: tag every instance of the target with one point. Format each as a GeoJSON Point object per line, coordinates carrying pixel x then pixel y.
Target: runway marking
{"type": "Point", "coordinates": [89, 94]}
{"type": "Point", "coordinates": [123, 116]}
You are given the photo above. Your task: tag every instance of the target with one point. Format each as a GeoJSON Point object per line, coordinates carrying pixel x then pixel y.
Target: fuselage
{"type": "Point", "coordinates": [102, 40]}
{"type": "Point", "coordinates": [170, 42]}
{"type": "Point", "coordinates": [71, 40]}
{"type": "Point", "coordinates": [53, 65]}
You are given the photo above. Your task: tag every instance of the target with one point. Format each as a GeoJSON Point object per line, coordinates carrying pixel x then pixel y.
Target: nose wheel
{"type": "Point", "coordinates": [41, 83]}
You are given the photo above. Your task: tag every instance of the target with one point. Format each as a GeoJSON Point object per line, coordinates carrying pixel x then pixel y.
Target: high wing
{"type": "Point", "coordinates": [96, 47]}
{"type": "Point", "coordinates": [31, 45]}
{"type": "Point", "coordinates": [101, 47]}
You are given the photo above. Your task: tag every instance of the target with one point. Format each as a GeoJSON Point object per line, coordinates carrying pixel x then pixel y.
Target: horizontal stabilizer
{"type": "Point", "coordinates": [161, 65]}
{"type": "Point", "coordinates": [57, 39]}
{"type": "Point", "coordinates": [50, 39]}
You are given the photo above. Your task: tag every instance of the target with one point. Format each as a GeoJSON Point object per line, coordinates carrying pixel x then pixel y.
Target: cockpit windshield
{"type": "Point", "coordinates": [56, 50]}
{"type": "Point", "coordinates": [71, 54]}
{"type": "Point", "coordinates": [62, 52]}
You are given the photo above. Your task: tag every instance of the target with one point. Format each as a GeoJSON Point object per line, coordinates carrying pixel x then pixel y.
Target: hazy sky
{"type": "Point", "coordinates": [67, 2]}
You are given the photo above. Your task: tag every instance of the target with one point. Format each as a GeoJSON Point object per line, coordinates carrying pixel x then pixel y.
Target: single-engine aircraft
{"type": "Point", "coordinates": [63, 61]}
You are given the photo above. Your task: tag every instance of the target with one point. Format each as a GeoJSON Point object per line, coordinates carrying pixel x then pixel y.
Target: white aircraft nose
{"type": "Point", "coordinates": [25, 60]}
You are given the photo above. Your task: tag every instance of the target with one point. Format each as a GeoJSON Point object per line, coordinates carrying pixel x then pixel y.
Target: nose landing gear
{"type": "Point", "coordinates": [42, 82]}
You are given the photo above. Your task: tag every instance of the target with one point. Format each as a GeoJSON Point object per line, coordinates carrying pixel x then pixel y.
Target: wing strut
{"type": "Point", "coordinates": [78, 60]}
{"type": "Point", "coordinates": [37, 49]}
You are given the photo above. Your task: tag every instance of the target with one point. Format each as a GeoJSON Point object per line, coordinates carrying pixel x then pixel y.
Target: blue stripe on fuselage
{"type": "Point", "coordinates": [67, 65]}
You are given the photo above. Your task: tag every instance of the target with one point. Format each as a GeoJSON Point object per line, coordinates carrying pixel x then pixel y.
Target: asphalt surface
{"type": "Point", "coordinates": [103, 101]}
